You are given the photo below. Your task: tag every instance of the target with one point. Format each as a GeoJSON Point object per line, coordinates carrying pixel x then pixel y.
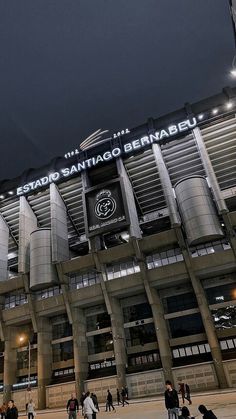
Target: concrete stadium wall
{"type": "Point", "coordinates": [100, 386]}
{"type": "Point", "coordinates": [198, 376]}
{"type": "Point", "coordinates": [146, 383]}
{"type": "Point", "coordinates": [21, 397]}
{"type": "Point", "coordinates": [230, 370]}
{"type": "Point", "coordinates": [58, 394]}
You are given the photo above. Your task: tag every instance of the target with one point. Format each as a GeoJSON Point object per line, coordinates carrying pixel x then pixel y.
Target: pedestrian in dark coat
{"type": "Point", "coordinates": [123, 396]}
{"type": "Point", "coordinates": [109, 403]}
{"type": "Point", "coordinates": [171, 401]}
{"type": "Point", "coordinates": [127, 392]}
{"type": "Point", "coordinates": [118, 396]}
{"type": "Point", "coordinates": [12, 412]}
{"type": "Point", "coordinates": [184, 390]}
{"type": "Point", "coordinates": [207, 414]}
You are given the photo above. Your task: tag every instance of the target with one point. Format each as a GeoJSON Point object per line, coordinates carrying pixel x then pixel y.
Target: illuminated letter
{"type": "Point", "coordinates": [128, 147]}
{"type": "Point", "coordinates": [193, 124]}
{"type": "Point", "coordinates": [19, 191]}
{"type": "Point", "coordinates": [65, 172]}
{"type": "Point", "coordinates": [44, 180]}
{"type": "Point", "coordinates": [81, 166]}
{"type": "Point", "coordinates": [163, 134]}
{"type": "Point", "coordinates": [116, 152]}
{"type": "Point", "coordinates": [182, 126]}
{"type": "Point", "coordinates": [173, 130]}
{"type": "Point", "coordinates": [73, 170]}
{"type": "Point", "coordinates": [154, 137]}
{"type": "Point", "coordinates": [98, 159]}
{"type": "Point", "coordinates": [107, 156]}
{"type": "Point", "coordinates": [55, 176]}
{"type": "Point", "coordinates": [136, 144]}
{"type": "Point", "coordinates": [144, 141]}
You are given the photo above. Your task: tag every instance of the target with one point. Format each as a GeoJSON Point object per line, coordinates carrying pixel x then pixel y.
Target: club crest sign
{"type": "Point", "coordinates": [105, 205]}
{"type": "Point", "coordinates": [106, 208]}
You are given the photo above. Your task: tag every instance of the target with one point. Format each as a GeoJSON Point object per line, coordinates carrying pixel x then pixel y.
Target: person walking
{"type": "Point", "coordinates": [3, 410]}
{"type": "Point", "coordinates": [207, 414]}
{"type": "Point", "coordinates": [123, 397]}
{"type": "Point", "coordinates": [184, 390]}
{"type": "Point", "coordinates": [171, 401]}
{"type": "Point", "coordinates": [127, 392]}
{"type": "Point", "coordinates": [30, 409]}
{"type": "Point", "coordinates": [89, 407]}
{"type": "Point", "coordinates": [12, 412]}
{"type": "Point", "coordinates": [82, 398]}
{"type": "Point", "coordinates": [95, 402]}
{"type": "Point", "coordinates": [118, 396]}
{"type": "Point", "coordinates": [109, 403]}
{"type": "Point", "coordinates": [185, 414]}
{"type": "Point", "coordinates": [72, 407]}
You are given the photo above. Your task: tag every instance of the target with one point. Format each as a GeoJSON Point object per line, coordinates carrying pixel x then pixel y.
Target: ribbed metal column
{"type": "Point", "coordinates": [166, 186]}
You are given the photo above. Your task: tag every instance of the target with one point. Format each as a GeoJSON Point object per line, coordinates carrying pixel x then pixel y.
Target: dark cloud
{"type": "Point", "coordinates": [69, 67]}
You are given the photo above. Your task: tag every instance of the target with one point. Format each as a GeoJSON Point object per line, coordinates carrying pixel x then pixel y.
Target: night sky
{"type": "Point", "coordinates": [70, 67]}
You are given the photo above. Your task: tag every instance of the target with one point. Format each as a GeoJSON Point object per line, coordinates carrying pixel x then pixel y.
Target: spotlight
{"type": "Point", "coordinates": [1, 196]}
{"type": "Point", "coordinates": [201, 116]}
{"type": "Point", "coordinates": [233, 72]}
{"type": "Point", "coordinates": [215, 111]}
{"type": "Point", "coordinates": [229, 105]}
{"type": "Point", "coordinates": [10, 192]}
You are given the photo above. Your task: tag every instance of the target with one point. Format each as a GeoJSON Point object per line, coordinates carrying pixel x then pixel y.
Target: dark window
{"type": "Point", "coordinates": [100, 343]}
{"type": "Point", "coordinates": [226, 292]}
{"type": "Point", "coordinates": [98, 321]}
{"type": "Point", "coordinates": [137, 312]}
{"type": "Point", "coordinates": [186, 325]}
{"type": "Point", "coordinates": [61, 330]}
{"type": "Point", "coordinates": [62, 351]}
{"type": "Point", "coordinates": [180, 302]}
{"type": "Point", "coordinates": [23, 358]}
{"type": "Point", "coordinates": [140, 335]}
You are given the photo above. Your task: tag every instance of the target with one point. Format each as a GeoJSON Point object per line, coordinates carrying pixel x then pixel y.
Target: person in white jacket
{"type": "Point", "coordinates": [89, 407]}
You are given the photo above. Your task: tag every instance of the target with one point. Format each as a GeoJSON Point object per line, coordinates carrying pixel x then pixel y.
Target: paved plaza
{"type": "Point", "coordinates": [223, 404]}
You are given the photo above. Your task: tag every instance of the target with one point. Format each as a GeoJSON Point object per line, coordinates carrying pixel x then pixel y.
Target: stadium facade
{"type": "Point", "coordinates": [118, 261]}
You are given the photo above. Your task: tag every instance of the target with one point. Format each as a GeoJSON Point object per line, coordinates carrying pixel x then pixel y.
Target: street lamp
{"type": "Point", "coordinates": [22, 339]}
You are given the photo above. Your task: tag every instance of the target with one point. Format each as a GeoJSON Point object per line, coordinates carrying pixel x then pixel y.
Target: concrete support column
{"type": "Point", "coordinates": [117, 323]}
{"type": "Point", "coordinates": [134, 229]}
{"type": "Point", "coordinates": [166, 186]}
{"type": "Point", "coordinates": [27, 224]}
{"type": "Point", "coordinates": [205, 314]}
{"type": "Point", "coordinates": [220, 202]}
{"type": "Point", "coordinates": [80, 349]}
{"type": "Point", "coordinates": [4, 244]}
{"type": "Point", "coordinates": [59, 229]}
{"type": "Point", "coordinates": [44, 360]}
{"type": "Point", "coordinates": [161, 331]}
{"type": "Point", "coordinates": [10, 368]}
{"type": "Point", "coordinates": [158, 316]}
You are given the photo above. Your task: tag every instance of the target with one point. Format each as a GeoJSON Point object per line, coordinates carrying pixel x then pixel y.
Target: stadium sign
{"type": "Point", "coordinates": [132, 146]}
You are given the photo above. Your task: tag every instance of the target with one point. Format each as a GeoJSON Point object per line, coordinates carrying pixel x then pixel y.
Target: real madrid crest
{"type": "Point", "coordinates": [105, 205]}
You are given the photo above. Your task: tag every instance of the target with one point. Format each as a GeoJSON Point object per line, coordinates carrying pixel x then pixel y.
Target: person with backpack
{"type": "Point", "coordinates": [207, 414]}
{"type": "Point", "coordinates": [171, 401]}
